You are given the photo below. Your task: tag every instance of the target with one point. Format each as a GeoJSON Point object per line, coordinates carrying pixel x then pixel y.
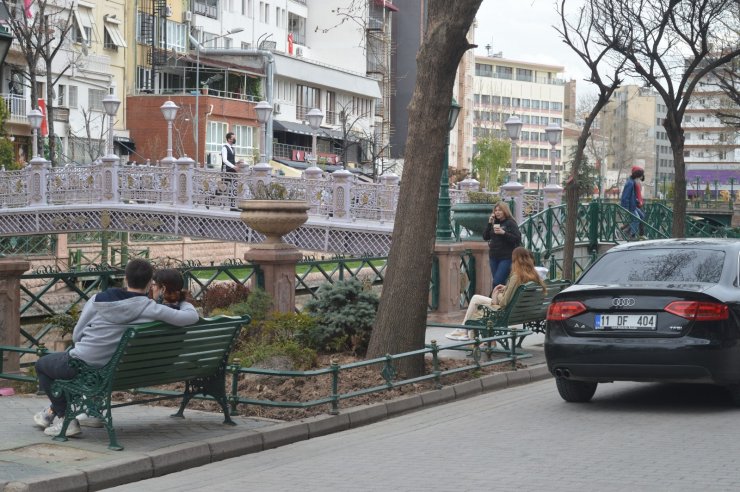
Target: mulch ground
{"type": "Point", "coordinates": [317, 387]}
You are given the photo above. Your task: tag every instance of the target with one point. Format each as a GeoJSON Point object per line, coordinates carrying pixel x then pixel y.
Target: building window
{"type": "Point", "coordinates": [244, 147]}
{"type": "Point", "coordinates": [556, 106]}
{"type": "Point", "coordinates": [331, 105]}
{"type": "Point", "coordinates": [61, 95]}
{"type": "Point", "coordinates": [215, 136]}
{"type": "Point", "coordinates": [297, 27]}
{"type": "Point", "coordinates": [506, 102]}
{"type": "Point", "coordinates": [483, 70]}
{"type": "Point", "coordinates": [496, 100]}
{"type": "Point", "coordinates": [535, 104]}
{"type": "Point", "coordinates": [524, 75]}
{"type": "Point", "coordinates": [82, 26]}
{"type": "Point", "coordinates": [308, 98]}
{"type": "Point", "coordinates": [525, 103]}
{"type": "Point", "coordinates": [112, 37]}
{"type": "Point", "coordinates": [504, 72]}
{"type": "Point", "coordinates": [95, 99]}
{"type": "Point", "coordinates": [72, 96]}
{"type": "Point", "coordinates": [543, 153]}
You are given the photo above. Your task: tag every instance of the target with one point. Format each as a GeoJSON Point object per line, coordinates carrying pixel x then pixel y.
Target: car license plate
{"type": "Point", "coordinates": [635, 322]}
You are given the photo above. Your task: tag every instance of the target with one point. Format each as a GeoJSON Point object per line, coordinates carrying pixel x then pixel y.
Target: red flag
{"type": "Point", "coordinates": [45, 122]}
{"type": "Point", "coordinates": [27, 8]}
{"type": "Point", "coordinates": [290, 43]}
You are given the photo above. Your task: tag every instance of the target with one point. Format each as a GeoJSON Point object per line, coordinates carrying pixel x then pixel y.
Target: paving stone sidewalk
{"type": "Point", "coordinates": [156, 444]}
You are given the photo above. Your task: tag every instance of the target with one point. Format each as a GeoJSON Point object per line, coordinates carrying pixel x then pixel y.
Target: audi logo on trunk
{"type": "Point", "coordinates": [623, 302]}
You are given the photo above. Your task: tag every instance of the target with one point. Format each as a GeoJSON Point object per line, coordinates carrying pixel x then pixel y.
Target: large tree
{"type": "Point", "coordinates": [672, 45]}
{"type": "Point", "coordinates": [605, 72]}
{"type": "Point", "coordinates": [401, 321]}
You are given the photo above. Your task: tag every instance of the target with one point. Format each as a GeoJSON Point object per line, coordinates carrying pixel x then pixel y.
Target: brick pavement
{"type": "Point", "coordinates": [156, 444]}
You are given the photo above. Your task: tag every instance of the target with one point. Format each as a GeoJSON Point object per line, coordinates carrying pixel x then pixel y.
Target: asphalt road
{"type": "Point", "coordinates": [631, 437]}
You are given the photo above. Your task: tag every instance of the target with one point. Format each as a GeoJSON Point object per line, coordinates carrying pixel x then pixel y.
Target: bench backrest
{"type": "Point", "coordinates": [157, 353]}
{"type": "Point", "coordinates": [526, 304]}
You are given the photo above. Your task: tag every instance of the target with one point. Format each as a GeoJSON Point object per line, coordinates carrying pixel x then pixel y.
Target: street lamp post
{"type": "Point", "coordinates": [553, 192]}
{"type": "Point", "coordinates": [169, 111]}
{"type": "Point", "coordinates": [196, 119]}
{"type": "Point", "coordinates": [314, 116]}
{"type": "Point", "coordinates": [35, 117]}
{"type": "Point", "coordinates": [513, 189]}
{"type": "Point", "coordinates": [110, 104]}
{"type": "Point", "coordinates": [263, 109]}
{"type": "Point", "coordinates": [444, 224]}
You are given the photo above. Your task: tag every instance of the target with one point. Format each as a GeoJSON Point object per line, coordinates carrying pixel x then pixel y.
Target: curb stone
{"type": "Point", "coordinates": [177, 458]}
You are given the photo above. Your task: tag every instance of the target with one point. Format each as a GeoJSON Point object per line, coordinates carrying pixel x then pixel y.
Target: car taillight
{"type": "Point", "coordinates": [559, 311]}
{"type": "Point", "coordinates": [699, 311]}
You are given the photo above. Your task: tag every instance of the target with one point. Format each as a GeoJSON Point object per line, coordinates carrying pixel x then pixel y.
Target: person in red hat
{"type": "Point", "coordinates": [632, 200]}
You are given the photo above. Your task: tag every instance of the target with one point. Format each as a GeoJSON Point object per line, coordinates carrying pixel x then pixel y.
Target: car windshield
{"type": "Point", "coordinates": [656, 265]}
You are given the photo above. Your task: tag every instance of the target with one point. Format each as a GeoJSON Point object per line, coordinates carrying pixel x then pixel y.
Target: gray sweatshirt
{"type": "Point", "coordinates": [107, 315]}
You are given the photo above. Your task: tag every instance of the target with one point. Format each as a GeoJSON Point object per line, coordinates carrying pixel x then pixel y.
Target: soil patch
{"type": "Point", "coordinates": [307, 389]}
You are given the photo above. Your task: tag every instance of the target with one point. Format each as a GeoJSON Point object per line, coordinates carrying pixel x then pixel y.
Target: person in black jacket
{"type": "Point", "coordinates": [502, 234]}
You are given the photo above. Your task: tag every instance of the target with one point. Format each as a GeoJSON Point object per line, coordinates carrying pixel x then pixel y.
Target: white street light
{"type": "Point", "coordinates": [314, 116]}
{"type": "Point", "coordinates": [514, 128]}
{"type": "Point", "coordinates": [553, 132]}
{"type": "Point", "coordinates": [35, 117]}
{"type": "Point", "coordinates": [196, 119]}
{"type": "Point", "coordinates": [110, 104]}
{"type": "Point", "coordinates": [169, 111]}
{"type": "Point", "coordinates": [263, 109]}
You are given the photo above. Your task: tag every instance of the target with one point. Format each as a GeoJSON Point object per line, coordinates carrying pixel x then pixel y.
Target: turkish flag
{"type": "Point", "coordinates": [290, 43]}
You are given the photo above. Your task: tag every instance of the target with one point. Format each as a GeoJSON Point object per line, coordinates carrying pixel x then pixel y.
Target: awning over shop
{"type": "Point", "coordinates": [126, 144]}
{"type": "Point", "coordinates": [300, 128]}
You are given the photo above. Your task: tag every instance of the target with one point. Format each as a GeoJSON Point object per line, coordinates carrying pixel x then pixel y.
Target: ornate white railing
{"type": "Point", "coordinates": [338, 195]}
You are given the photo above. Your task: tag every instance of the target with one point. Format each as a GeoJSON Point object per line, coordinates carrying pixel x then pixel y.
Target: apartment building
{"type": "Point", "coordinates": [89, 65]}
{"type": "Point", "coordinates": [632, 127]}
{"type": "Point", "coordinates": [711, 146]}
{"type": "Point", "coordinates": [532, 91]}
{"type": "Point", "coordinates": [217, 86]}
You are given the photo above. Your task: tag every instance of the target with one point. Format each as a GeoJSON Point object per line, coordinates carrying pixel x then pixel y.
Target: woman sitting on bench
{"type": "Point", "coordinates": [522, 271]}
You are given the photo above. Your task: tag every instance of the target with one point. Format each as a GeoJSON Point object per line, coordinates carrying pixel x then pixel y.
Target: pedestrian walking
{"type": "Point", "coordinates": [632, 200]}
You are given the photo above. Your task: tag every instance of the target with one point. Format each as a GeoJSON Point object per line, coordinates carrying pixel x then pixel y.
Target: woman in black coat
{"type": "Point", "coordinates": [502, 234]}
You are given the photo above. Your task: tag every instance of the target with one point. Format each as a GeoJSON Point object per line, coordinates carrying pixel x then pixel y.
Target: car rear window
{"type": "Point", "coordinates": [656, 265]}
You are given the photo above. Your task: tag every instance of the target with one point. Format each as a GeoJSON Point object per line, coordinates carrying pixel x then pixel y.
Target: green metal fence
{"type": "Point", "coordinates": [39, 245]}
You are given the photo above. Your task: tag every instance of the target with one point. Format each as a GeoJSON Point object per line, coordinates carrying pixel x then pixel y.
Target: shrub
{"type": "Point", "coordinates": [257, 305]}
{"type": "Point", "coordinates": [223, 295]}
{"type": "Point", "coordinates": [482, 197]}
{"type": "Point", "coordinates": [278, 335]}
{"type": "Point", "coordinates": [345, 313]}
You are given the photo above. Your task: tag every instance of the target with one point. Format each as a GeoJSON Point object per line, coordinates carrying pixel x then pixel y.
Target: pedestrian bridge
{"type": "Point", "coordinates": [346, 216]}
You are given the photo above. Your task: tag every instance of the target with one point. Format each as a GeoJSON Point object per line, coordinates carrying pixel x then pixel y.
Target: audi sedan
{"type": "Point", "coordinates": [666, 310]}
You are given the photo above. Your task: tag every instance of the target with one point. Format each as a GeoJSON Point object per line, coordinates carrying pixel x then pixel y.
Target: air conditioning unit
{"type": "Point", "coordinates": [276, 108]}
{"type": "Point", "coordinates": [214, 160]}
{"type": "Point", "coordinates": [298, 51]}
{"type": "Point", "coordinates": [187, 16]}
{"type": "Point", "coordinates": [168, 11]}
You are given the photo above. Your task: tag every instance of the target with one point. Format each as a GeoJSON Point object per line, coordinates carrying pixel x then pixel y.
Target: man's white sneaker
{"type": "Point", "coordinates": [72, 430]}
{"type": "Point", "coordinates": [44, 418]}
{"type": "Point", "coordinates": [87, 421]}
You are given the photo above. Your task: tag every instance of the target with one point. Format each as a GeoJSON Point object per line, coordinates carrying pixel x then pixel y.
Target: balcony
{"type": "Point", "coordinates": [61, 114]}
{"type": "Point", "coordinates": [17, 107]}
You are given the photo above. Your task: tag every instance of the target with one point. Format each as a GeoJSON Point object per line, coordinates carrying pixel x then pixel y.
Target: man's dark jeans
{"type": "Point", "coordinates": [49, 368]}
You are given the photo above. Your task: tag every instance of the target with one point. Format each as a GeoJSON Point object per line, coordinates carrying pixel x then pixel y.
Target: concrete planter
{"type": "Point", "coordinates": [274, 219]}
{"type": "Point", "coordinates": [473, 216]}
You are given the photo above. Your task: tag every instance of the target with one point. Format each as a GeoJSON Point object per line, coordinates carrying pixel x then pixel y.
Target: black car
{"type": "Point", "coordinates": [666, 310]}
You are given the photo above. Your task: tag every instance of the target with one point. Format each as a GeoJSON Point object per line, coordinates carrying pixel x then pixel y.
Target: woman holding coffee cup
{"type": "Point", "coordinates": [502, 234]}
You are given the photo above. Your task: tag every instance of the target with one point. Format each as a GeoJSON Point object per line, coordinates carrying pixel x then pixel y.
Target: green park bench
{"type": "Point", "coordinates": [528, 307]}
{"type": "Point", "coordinates": [151, 354]}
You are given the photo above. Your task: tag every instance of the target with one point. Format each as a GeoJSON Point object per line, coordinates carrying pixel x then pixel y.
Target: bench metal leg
{"type": "Point", "coordinates": [206, 386]}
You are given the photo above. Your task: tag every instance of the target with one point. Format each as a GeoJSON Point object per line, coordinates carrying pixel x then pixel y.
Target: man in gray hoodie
{"type": "Point", "coordinates": [103, 320]}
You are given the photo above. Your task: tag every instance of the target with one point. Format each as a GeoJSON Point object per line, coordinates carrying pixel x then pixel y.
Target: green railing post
{"type": "Point", "coordinates": [434, 304]}
{"type": "Point", "coordinates": [236, 364]}
{"type": "Point", "coordinates": [513, 347]}
{"type": "Point", "coordinates": [435, 365]}
{"type": "Point", "coordinates": [549, 219]}
{"type": "Point", "coordinates": [334, 387]}
{"type": "Point", "coordinates": [593, 225]}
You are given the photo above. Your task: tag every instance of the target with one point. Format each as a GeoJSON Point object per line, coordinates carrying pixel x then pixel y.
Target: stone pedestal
{"type": "Point", "coordinates": [483, 279]}
{"type": "Point", "coordinates": [448, 254]}
{"type": "Point", "coordinates": [10, 306]}
{"type": "Point", "coordinates": [278, 268]}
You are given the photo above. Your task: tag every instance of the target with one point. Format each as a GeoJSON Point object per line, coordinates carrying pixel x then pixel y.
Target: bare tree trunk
{"type": "Point", "coordinates": [676, 137]}
{"type": "Point", "coordinates": [401, 321]}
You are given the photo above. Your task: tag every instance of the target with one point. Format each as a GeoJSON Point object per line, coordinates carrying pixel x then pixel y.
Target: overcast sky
{"type": "Point", "coordinates": [522, 30]}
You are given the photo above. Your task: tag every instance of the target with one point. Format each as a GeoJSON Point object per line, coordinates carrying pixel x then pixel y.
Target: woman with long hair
{"type": "Point", "coordinates": [167, 287]}
{"type": "Point", "coordinates": [522, 271]}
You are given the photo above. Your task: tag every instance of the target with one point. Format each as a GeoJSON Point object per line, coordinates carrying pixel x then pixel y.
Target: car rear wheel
{"type": "Point", "coordinates": [575, 391]}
